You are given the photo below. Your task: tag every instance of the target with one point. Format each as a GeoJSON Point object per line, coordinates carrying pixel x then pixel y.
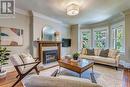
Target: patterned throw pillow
{"type": "Point", "coordinates": [84, 51]}
{"type": "Point", "coordinates": [90, 51]}
{"type": "Point", "coordinates": [112, 53]}
{"type": "Point", "coordinates": [104, 53]}
{"type": "Point", "coordinates": [26, 58]}
{"type": "Point", "coordinates": [97, 51]}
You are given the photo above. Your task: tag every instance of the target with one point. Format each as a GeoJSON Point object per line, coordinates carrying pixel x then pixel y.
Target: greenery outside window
{"type": "Point", "coordinates": [118, 37]}
{"type": "Point", "coordinates": [100, 37]}
{"type": "Point", "coordinates": [85, 38]}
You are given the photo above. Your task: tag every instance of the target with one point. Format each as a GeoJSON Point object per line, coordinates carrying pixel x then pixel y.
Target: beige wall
{"type": "Point", "coordinates": [21, 22]}
{"type": "Point", "coordinates": [75, 32]}
{"type": "Point", "coordinates": [40, 22]}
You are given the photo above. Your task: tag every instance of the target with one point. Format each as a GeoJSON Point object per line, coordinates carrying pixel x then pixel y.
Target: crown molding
{"type": "Point", "coordinates": [42, 16]}
{"type": "Point", "coordinates": [20, 11]}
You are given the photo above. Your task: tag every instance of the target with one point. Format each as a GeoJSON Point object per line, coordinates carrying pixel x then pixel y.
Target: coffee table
{"type": "Point", "coordinates": [78, 67]}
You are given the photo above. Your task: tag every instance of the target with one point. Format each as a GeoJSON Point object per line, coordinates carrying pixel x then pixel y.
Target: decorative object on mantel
{"type": "Point", "coordinates": [57, 36]}
{"type": "Point", "coordinates": [75, 56]}
{"type": "Point", "coordinates": [38, 39]}
{"type": "Point", "coordinates": [11, 36]}
{"type": "Point", "coordinates": [47, 34]}
{"type": "Point", "coordinates": [4, 54]}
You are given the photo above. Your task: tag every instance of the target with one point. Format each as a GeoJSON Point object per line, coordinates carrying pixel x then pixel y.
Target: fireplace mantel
{"type": "Point", "coordinates": [42, 44]}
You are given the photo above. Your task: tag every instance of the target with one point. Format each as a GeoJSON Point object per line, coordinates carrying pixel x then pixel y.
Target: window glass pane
{"type": "Point", "coordinates": [100, 38]}
{"type": "Point", "coordinates": [86, 39]}
{"type": "Point", "coordinates": [118, 40]}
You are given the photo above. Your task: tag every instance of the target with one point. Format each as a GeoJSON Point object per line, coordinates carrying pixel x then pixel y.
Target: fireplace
{"type": "Point", "coordinates": [43, 46]}
{"type": "Point", "coordinates": [50, 56]}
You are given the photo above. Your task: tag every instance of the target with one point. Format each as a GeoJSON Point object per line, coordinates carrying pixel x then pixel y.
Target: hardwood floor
{"type": "Point", "coordinates": [126, 78]}
{"type": "Point", "coordinates": [11, 78]}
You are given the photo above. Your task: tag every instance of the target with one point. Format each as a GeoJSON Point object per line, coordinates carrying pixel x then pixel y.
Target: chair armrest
{"type": "Point", "coordinates": [27, 64]}
{"type": "Point", "coordinates": [36, 59]}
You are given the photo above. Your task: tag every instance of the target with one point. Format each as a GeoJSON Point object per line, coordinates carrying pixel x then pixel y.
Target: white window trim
{"type": "Point", "coordinates": [85, 30]}
{"type": "Point", "coordinates": [115, 26]}
{"type": "Point", "coordinates": [100, 29]}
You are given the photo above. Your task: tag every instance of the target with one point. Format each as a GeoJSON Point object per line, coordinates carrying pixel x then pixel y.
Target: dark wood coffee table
{"type": "Point", "coordinates": [78, 67]}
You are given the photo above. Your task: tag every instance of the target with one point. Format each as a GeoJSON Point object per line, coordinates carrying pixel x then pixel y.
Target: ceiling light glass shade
{"type": "Point", "coordinates": [72, 10]}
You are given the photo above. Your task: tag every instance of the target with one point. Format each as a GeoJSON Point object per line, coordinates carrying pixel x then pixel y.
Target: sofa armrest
{"type": "Point", "coordinates": [117, 59]}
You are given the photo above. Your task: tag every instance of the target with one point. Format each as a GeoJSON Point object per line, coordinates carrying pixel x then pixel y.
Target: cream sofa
{"type": "Point", "coordinates": [59, 81]}
{"type": "Point", "coordinates": [112, 59]}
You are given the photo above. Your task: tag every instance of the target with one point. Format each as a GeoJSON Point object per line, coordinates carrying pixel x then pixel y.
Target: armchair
{"type": "Point", "coordinates": [22, 66]}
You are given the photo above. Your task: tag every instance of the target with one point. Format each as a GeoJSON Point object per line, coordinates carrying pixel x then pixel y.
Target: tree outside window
{"type": "Point", "coordinates": [100, 38]}
{"type": "Point", "coordinates": [118, 38]}
{"type": "Point", "coordinates": [85, 39]}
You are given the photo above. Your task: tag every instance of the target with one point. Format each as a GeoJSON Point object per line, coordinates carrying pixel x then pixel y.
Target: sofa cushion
{"type": "Point", "coordinates": [73, 78]}
{"type": "Point", "coordinates": [104, 59]}
{"type": "Point", "coordinates": [97, 51]}
{"type": "Point", "coordinates": [112, 53]}
{"type": "Point", "coordinates": [90, 51]}
{"type": "Point", "coordinates": [87, 57]}
{"type": "Point", "coordinates": [42, 81]}
{"type": "Point", "coordinates": [104, 53]}
{"type": "Point", "coordinates": [84, 51]}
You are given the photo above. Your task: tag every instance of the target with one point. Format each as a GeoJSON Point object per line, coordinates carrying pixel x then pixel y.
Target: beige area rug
{"type": "Point", "coordinates": [105, 76]}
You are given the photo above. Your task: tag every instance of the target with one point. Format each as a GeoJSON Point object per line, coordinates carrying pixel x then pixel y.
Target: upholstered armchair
{"type": "Point", "coordinates": [24, 63]}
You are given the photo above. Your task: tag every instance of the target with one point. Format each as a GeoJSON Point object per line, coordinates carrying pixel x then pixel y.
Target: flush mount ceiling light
{"type": "Point", "coordinates": [72, 9]}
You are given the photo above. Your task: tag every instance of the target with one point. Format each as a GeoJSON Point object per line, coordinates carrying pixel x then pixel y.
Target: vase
{"type": "Point", "coordinates": [75, 58]}
{"type": "Point", "coordinates": [3, 74]}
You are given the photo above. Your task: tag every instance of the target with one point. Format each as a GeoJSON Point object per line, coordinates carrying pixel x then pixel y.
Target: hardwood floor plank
{"type": "Point", "coordinates": [9, 80]}
{"type": "Point", "coordinates": [126, 78]}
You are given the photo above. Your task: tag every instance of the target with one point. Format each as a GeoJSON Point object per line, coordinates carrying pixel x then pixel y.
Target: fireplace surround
{"type": "Point", "coordinates": [50, 56]}
{"type": "Point", "coordinates": [42, 44]}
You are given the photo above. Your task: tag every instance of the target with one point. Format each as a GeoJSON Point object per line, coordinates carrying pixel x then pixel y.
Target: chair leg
{"type": "Point", "coordinates": [36, 70]}
{"type": "Point", "coordinates": [17, 76]}
{"type": "Point", "coordinates": [17, 82]}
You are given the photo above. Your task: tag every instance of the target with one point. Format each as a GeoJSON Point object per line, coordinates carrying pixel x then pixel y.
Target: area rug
{"type": "Point", "coordinates": [104, 75]}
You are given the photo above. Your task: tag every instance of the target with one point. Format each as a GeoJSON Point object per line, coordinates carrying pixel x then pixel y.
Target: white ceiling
{"type": "Point", "coordinates": [91, 11]}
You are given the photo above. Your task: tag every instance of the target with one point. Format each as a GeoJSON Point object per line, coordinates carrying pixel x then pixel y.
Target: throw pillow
{"type": "Point", "coordinates": [112, 53]}
{"type": "Point", "coordinates": [84, 51]}
{"type": "Point", "coordinates": [90, 51]}
{"type": "Point", "coordinates": [97, 51]}
{"type": "Point", "coordinates": [104, 53]}
{"type": "Point", "coordinates": [26, 58]}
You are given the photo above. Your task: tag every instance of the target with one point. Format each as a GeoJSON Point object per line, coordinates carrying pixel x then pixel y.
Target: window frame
{"type": "Point", "coordinates": [81, 39]}
{"type": "Point", "coordinates": [107, 36]}
{"type": "Point", "coordinates": [116, 26]}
